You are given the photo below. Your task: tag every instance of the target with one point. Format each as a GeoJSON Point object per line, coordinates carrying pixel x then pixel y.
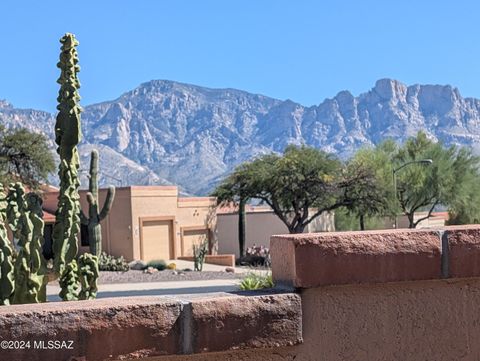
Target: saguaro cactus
{"type": "Point", "coordinates": [94, 216]}
{"type": "Point", "coordinates": [67, 137]}
{"type": "Point", "coordinates": [7, 284]}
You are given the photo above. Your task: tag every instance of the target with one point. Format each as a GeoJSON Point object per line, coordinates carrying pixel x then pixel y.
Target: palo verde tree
{"type": "Point", "coordinates": [448, 181]}
{"type": "Point", "coordinates": [465, 208]}
{"type": "Point", "coordinates": [295, 183]}
{"type": "Point", "coordinates": [372, 195]}
{"type": "Point", "coordinates": [24, 157]}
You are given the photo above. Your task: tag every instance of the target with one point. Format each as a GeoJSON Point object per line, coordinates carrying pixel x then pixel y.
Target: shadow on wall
{"type": "Point", "coordinates": [159, 292]}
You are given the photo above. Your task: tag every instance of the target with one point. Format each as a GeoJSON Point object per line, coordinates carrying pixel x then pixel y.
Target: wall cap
{"type": "Point", "coordinates": [334, 258]}
{"type": "Point", "coordinates": [136, 327]}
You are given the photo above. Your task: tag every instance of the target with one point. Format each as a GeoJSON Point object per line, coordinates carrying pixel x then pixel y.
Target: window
{"type": "Point", "coordinates": [84, 240]}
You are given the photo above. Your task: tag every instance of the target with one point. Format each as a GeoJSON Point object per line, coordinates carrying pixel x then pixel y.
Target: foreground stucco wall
{"type": "Point", "coordinates": [428, 320]}
{"type": "Point", "coordinates": [362, 296]}
{"type": "Point", "coordinates": [383, 295]}
{"type": "Point", "coordinates": [424, 320]}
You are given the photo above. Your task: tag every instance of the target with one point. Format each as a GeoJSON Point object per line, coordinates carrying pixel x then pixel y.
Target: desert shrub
{"type": "Point", "coordinates": [199, 253]}
{"type": "Point", "coordinates": [253, 281]}
{"type": "Point", "coordinates": [112, 263]}
{"type": "Point", "coordinates": [159, 264]}
{"type": "Point", "coordinates": [257, 256]}
{"type": "Point", "coordinates": [172, 266]}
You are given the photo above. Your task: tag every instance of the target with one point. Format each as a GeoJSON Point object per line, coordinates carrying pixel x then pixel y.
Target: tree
{"type": "Point", "coordinates": [465, 207]}
{"type": "Point", "coordinates": [24, 157]}
{"type": "Point", "coordinates": [373, 195]}
{"type": "Point", "coordinates": [235, 190]}
{"type": "Point", "coordinates": [447, 181]}
{"type": "Point", "coordinates": [292, 185]}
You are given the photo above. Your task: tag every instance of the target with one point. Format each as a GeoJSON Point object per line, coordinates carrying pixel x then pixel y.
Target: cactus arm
{"type": "Point", "coordinates": [91, 199]}
{"type": "Point", "coordinates": [83, 218]}
{"type": "Point", "coordinates": [93, 179]}
{"type": "Point", "coordinates": [107, 206]}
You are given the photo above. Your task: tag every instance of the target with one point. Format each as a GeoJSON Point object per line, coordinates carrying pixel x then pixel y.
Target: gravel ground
{"type": "Point", "coordinates": [162, 276]}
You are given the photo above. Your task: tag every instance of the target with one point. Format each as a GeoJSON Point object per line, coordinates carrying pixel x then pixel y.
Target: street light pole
{"type": "Point", "coordinates": [394, 174]}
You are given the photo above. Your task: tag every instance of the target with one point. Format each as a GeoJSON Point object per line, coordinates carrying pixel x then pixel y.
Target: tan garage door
{"type": "Point", "coordinates": [191, 237]}
{"type": "Point", "coordinates": [157, 240]}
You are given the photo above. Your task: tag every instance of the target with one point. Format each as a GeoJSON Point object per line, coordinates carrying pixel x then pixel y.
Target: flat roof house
{"type": "Point", "coordinates": [148, 222]}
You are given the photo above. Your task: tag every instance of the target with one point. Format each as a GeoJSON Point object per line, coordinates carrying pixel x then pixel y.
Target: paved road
{"type": "Point", "coordinates": [156, 288]}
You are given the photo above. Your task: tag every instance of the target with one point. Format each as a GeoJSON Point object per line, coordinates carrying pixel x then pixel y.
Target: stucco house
{"type": "Point", "coordinates": [147, 222]}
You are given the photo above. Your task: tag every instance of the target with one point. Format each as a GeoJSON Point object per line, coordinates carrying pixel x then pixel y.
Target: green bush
{"type": "Point", "coordinates": [253, 281]}
{"type": "Point", "coordinates": [111, 263]}
{"type": "Point", "coordinates": [159, 264]}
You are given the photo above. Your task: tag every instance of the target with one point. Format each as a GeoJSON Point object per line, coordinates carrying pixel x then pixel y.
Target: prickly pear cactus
{"type": "Point", "coordinates": [7, 284]}
{"type": "Point", "coordinates": [67, 137]}
{"type": "Point", "coordinates": [94, 215]}
{"type": "Point", "coordinates": [88, 274]}
{"type": "Point", "coordinates": [69, 282]}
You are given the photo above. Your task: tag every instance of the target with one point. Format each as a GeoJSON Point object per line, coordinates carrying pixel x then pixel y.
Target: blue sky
{"type": "Point", "coordinates": [300, 50]}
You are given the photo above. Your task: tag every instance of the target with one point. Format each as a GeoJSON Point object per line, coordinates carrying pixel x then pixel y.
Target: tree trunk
{"type": "Point", "coordinates": [411, 223]}
{"type": "Point", "coordinates": [241, 227]}
{"type": "Point", "coordinates": [299, 228]}
{"type": "Point", "coordinates": [362, 222]}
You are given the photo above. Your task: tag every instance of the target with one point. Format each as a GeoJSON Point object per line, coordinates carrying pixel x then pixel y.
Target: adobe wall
{"type": "Point", "coordinates": [362, 296]}
{"type": "Point", "coordinates": [367, 296]}
{"type": "Point", "coordinates": [260, 226]}
{"type": "Point", "coordinates": [414, 321]}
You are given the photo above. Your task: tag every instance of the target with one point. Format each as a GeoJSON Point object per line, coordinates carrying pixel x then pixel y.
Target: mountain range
{"type": "Point", "coordinates": [165, 132]}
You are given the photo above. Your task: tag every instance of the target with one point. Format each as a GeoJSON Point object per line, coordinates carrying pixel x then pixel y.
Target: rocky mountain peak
{"type": "Point", "coordinates": [165, 131]}
{"type": "Point", "coordinates": [388, 89]}
{"type": "Point", "coordinates": [5, 105]}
